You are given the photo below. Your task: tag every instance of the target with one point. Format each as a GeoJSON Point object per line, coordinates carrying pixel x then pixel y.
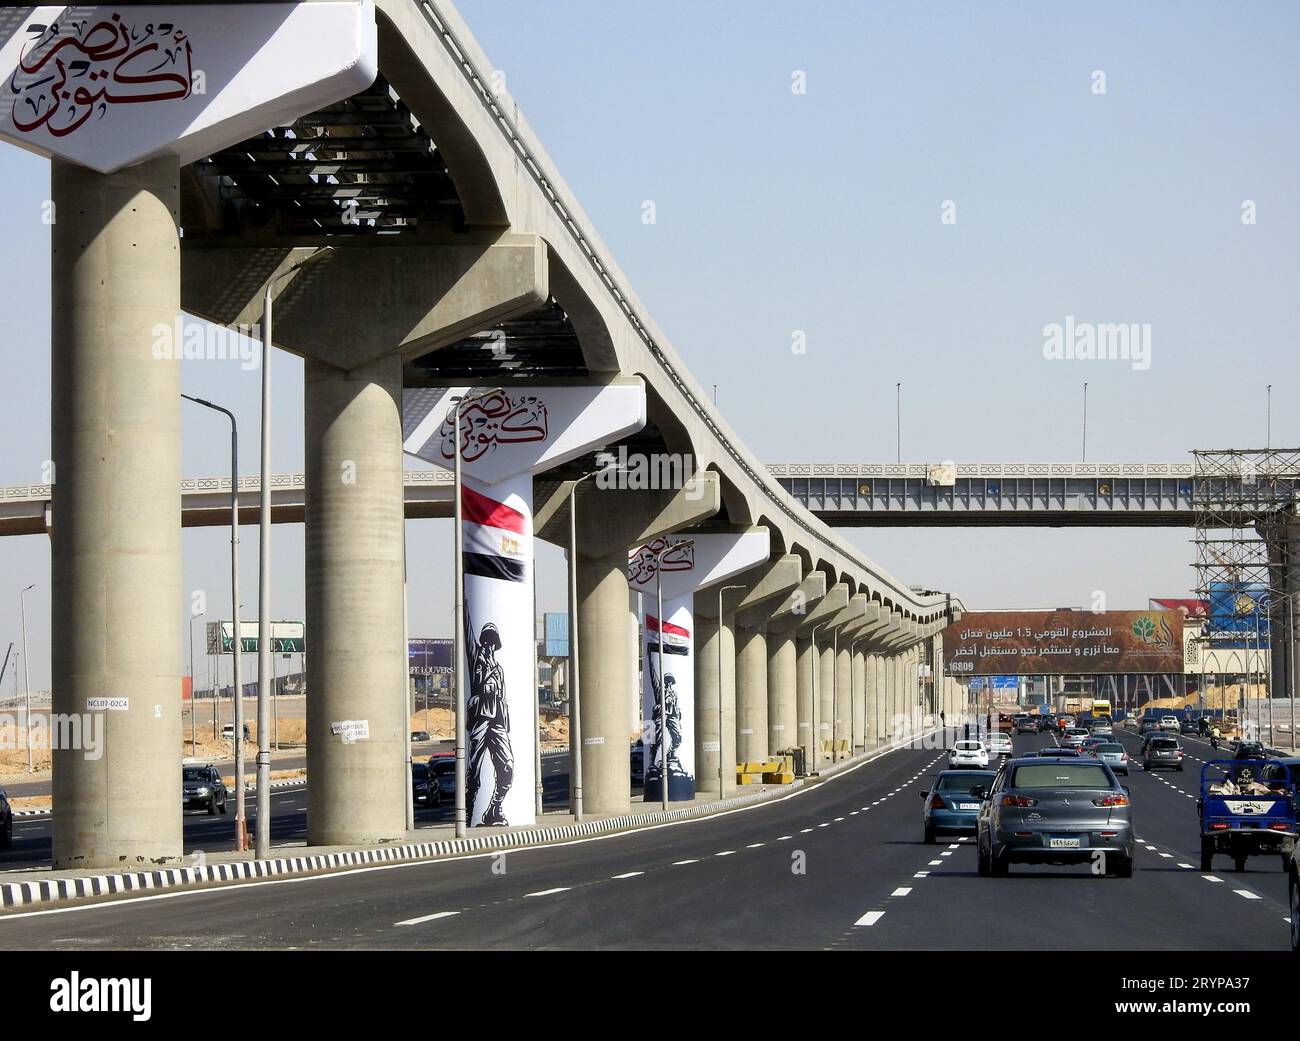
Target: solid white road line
{"type": "Point", "coordinates": [870, 918]}
{"type": "Point", "coordinates": [427, 918]}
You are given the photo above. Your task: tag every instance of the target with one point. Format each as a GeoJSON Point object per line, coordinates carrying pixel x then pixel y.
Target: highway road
{"type": "Point", "coordinates": [836, 865]}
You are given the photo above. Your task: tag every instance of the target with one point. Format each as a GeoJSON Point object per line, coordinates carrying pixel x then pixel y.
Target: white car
{"type": "Point", "coordinates": [1169, 723]}
{"type": "Point", "coordinates": [968, 753]}
{"type": "Point", "coordinates": [1000, 744]}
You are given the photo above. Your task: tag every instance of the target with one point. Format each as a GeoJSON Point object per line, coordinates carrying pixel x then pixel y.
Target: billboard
{"type": "Point", "coordinates": [557, 634]}
{"type": "Point", "coordinates": [1061, 642]}
{"type": "Point", "coordinates": [286, 637]}
{"type": "Point", "coordinates": [1238, 615]}
{"type": "Point", "coordinates": [429, 657]}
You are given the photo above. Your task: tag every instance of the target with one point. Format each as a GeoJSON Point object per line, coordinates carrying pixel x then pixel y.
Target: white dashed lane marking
{"type": "Point", "coordinates": [549, 892]}
{"type": "Point", "coordinates": [629, 874]}
{"type": "Point", "coordinates": [901, 891]}
{"type": "Point", "coordinates": [428, 918]}
{"type": "Point", "coordinates": [1247, 894]}
{"type": "Point", "coordinates": [870, 918]}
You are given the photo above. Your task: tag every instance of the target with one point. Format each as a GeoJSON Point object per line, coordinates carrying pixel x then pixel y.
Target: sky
{"type": "Point", "coordinates": [917, 190]}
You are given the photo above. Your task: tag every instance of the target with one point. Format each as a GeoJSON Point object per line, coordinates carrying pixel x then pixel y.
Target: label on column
{"type": "Point", "coordinates": [499, 726]}
{"type": "Point", "coordinates": [672, 676]}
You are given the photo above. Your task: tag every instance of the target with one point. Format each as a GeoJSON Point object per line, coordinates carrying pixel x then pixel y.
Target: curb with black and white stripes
{"type": "Point", "coordinates": [51, 890]}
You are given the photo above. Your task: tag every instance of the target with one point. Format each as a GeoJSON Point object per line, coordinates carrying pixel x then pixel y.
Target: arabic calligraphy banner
{"type": "Point", "coordinates": [1028, 643]}
{"type": "Point", "coordinates": [109, 86]}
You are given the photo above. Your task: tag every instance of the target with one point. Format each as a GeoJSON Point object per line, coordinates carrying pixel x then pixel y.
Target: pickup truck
{"type": "Point", "coordinates": [1244, 818]}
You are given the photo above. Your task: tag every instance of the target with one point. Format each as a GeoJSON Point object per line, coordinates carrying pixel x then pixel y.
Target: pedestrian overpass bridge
{"type": "Point", "coordinates": [839, 494]}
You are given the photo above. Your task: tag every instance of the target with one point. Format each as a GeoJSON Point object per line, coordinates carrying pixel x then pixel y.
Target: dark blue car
{"type": "Point", "coordinates": [950, 806]}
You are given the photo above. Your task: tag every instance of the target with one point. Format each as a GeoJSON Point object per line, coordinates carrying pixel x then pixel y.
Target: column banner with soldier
{"type": "Point", "coordinates": [688, 564]}
{"type": "Point", "coordinates": [505, 436]}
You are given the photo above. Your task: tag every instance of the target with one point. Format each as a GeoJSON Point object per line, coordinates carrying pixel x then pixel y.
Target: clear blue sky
{"type": "Point", "coordinates": [821, 212]}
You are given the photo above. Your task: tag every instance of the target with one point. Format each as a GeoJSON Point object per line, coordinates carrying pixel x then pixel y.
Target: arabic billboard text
{"type": "Point", "coordinates": [995, 643]}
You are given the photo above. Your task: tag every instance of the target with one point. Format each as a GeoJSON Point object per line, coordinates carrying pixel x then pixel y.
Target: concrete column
{"type": "Point", "coordinates": [606, 666]}
{"type": "Point", "coordinates": [751, 695]}
{"type": "Point", "coordinates": [116, 598]}
{"type": "Point", "coordinates": [872, 673]}
{"type": "Point", "coordinates": [825, 693]}
{"type": "Point", "coordinates": [860, 719]}
{"type": "Point", "coordinates": [782, 699]}
{"type": "Point", "coordinates": [357, 670]}
{"type": "Point", "coordinates": [844, 714]}
{"type": "Point", "coordinates": [805, 662]}
{"type": "Point", "coordinates": [712, 741]}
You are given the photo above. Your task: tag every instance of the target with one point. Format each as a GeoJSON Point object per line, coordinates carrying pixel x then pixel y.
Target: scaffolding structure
{"type": "Point", "coordinates": [1247, 549]}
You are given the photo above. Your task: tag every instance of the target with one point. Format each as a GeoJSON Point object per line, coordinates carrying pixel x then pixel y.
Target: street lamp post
{"type": "Point", "coordinates": [194, 741]}
{"type": "Point", "coordinates": [264, 666]}
{"type": "Point", "coordinates": [27, 678]}
{"type": "Point", "coordinates": [663, 684]}
{"type": "Point", "coordinates": [241, 818]}
{"type": "Point", "coordinates": [458, 633]}
{"type": "Point", "coordinates": [721, 590]}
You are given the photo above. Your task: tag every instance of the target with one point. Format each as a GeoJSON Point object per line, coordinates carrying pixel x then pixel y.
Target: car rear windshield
{"type": "Point", "coordinates": [444, 766]}
{"type": "Point", "coordinates": [962, 782]}
{"type": "Point", "coordinates": [1164, 743]}
{"type": "Point", "coordinates": [1061, 775]}
{"type": "Point", "coordinates": [965, 746]}
{"type": "Point", "coordinates": [1110, 746]}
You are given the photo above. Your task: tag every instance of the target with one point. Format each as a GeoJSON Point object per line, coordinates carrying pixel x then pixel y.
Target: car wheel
{"type": "Point", "coordinates": [212, 806]}
{"type": "Point", "coordinates": [982, 864]}
{"type": "Point", "coordinates": [929, 835]}
{"type": "Point", "coordinates": [1293, 900]}
{"type": "Point", "coordinates": [1122, 867]}
{"type": "Point", "coordinates": [1238, 863]}
{"type": "Point", "coordinates": [1207, 855]}
{"type": "Point", "coordinates": [997, 865]}
{"type": "Point", "coordinates": [225, 806]}
{"type": "Point", "coordinates": [1286, 861]}
{"type": "Point", "coordinates": [7, 836]}
{"type": "Point", "coordinates": [1180, 767]}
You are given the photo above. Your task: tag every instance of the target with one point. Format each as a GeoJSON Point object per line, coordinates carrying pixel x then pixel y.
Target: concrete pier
{"type": "Point", "coordinates": [116, 603]}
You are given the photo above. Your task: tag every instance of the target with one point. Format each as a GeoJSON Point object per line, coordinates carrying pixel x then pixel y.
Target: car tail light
{"type": "Point", "coordinates": [1218, 826]}
{"type": "Point", "coordinates": [1018, 800]}
{"type": "Point", "coordinates": [1124, 758]}
{"type": "Point", "coordinates": [1279, 826]}
{"type": "Point", "coordinates": [1111, 800]}
{"type": "Point", "coordinates": [937, 803]}
{"type": "Point", "coordinates": [1109, 834]}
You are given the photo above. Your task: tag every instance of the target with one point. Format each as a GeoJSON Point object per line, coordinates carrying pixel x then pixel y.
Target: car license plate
{"type": "Point", "coordinates": [1061, 843]}
{"type": "Point", "coordinates": [968, 806]}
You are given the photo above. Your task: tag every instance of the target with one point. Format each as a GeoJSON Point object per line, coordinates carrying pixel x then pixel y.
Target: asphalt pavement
{"type": "Point", "coordinates": [836, 865]}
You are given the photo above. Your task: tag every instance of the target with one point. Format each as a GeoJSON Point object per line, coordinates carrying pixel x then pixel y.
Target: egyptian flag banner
{"type": "Point", "coordinates": [676, 676]}
{"type": "Point", "coordinates": [499, 722]}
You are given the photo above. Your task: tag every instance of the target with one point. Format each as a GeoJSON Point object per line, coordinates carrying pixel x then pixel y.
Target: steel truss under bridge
{"type": "Point", "coordinates": [1247, 552]}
